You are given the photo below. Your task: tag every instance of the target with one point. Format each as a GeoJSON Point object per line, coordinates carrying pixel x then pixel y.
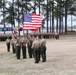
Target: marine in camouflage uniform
{"type": "Point", "coordinates": [13, 44]}
{"type": "Point", "coordinates": [23, 45]}
{"type": "Point", "coordinates": [43, 49]}
{"type": "Point", "coordinates": [18, 47]}
{"type": "Point", "coordinates": [8, 44]}
{"type": "Point", "coordinates": [35, 47]}
{"type": "Point", "coordinates": [29, 44]}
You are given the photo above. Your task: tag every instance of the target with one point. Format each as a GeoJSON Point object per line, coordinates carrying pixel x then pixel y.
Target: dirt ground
{"type": "Point", "coordinates": [61, 59]}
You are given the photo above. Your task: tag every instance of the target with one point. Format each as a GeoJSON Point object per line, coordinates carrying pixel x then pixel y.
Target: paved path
{"type": "Point", "coordinates": [61, 60]}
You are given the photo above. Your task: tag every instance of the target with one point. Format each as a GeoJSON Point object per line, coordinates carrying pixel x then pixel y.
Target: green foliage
{"type": "Point", "coordinates": [13, 12]}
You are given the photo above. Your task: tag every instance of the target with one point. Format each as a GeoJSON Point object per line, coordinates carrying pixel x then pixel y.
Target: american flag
{"type": "Point", "coordinates": [31, 21]}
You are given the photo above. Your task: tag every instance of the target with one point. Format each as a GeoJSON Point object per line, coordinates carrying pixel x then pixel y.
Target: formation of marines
{"type": "Point", "coordinates": [36, 46]}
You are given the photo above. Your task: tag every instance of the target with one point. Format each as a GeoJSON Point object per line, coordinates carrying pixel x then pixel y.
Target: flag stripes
{"type": "Point", "coordinates": [33, 21]}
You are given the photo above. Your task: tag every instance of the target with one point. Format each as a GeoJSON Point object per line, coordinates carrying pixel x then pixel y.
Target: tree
{"type": "Point", "coordinates": [57, 9]}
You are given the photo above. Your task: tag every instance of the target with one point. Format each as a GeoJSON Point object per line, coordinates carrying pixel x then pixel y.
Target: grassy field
{"type": "Point", "coordinates": [61, 59]}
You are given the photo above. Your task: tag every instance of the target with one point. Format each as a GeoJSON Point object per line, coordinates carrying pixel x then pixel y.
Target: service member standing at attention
{"type": "Point", "coordinates": [43, 49]}
{"type": "Point", "coordinates": [15, 39]}
{"type": "Point", "coordinates": [8, 44]}
{"type": "Point", "coordinates": [35, 47]}
{"type": "Point", "coordinates": [39, 39]}
{"type": "Point", "coordinates": [23, 43]}
{"type": "Point", "coordinates": [18, 47]}
{"type": "Point", "coordinates": [13, 44]}
{"type": "Point", "coordinates": [29, 44]}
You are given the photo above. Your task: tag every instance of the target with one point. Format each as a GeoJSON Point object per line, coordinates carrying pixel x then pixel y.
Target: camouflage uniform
{"type": "Point", "coordinates": [23, 44]}
{"type": "Point", "coordinates": [13, 44]}
{"type": "Point", "coordinates": [35, 47]}
{"type": "Point", "coordinates": [56, 35]}
{"type": "Point", "coordinates": [18, 48]}
{"type": "Point", "coordinates": [8, 44]}
{"type": "Point", "coordinates": [43, 50]}
{"type": "Point", "coordinates": [29, 44]}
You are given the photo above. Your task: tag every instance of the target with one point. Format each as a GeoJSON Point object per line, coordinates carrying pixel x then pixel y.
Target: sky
{"type": "Point", "coordinates": [68, 21]}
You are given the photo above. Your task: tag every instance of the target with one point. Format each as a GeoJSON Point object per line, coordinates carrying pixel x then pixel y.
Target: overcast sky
{"type": "Point", "coordinates": [68, 20]}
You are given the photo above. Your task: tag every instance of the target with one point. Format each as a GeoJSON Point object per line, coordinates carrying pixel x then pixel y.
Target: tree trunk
{"type": "Point", "coordinates": [18, 17]}
{"type": "Point", "coordinates": [4, 14]}
{"type": "Point", "coordinates": [66, 16]}
{"type": "Point", "coordinates": [47, 16]}
{"type": "Point", "coordinates": [53, 16]}
{"type": "Point", "coordinates": [50, 16]}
